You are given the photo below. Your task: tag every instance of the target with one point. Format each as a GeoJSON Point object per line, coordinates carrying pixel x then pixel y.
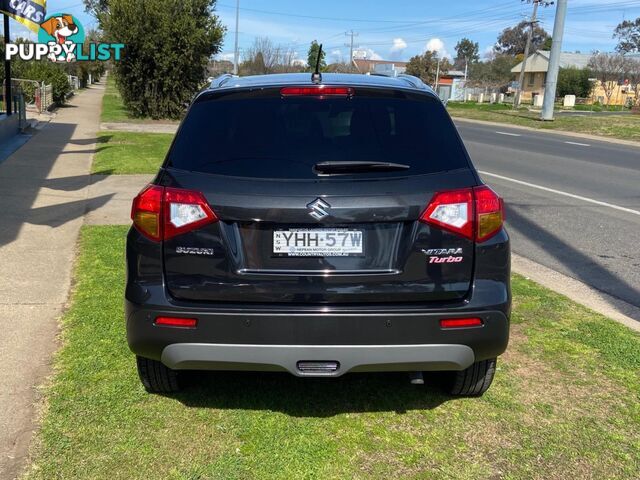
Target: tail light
{"type": "Point", "coordinates": [489, 213]}
{"type": "Point", "coordinates": [317, 91]}
{"type": "Point", "coordinates": [160, 213]}
{"type": "Point", "coordinates": [475, 213]}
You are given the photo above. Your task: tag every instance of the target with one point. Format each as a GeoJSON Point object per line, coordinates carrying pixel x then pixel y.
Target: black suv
{"type": "Point", "coordinates": [319, 228]}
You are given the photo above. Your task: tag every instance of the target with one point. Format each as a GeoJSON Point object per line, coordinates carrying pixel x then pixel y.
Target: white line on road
{"type": "Point", "coordinates": [578, 143]}
{"type": "Point", "coordinates": [565, 194]}
{"type": "Point", "coordinates": [510, 134]}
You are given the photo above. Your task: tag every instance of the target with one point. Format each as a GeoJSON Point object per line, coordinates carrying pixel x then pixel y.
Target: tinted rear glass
{"type": "Point", "coordinates": [260, 134]}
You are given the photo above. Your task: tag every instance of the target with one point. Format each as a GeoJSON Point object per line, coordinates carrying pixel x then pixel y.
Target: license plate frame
{"type": "Point", "coordinates": [345, 242]}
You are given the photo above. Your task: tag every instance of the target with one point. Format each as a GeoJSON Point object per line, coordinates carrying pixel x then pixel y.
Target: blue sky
{"type": "Point", "coordinates": [400, 29]}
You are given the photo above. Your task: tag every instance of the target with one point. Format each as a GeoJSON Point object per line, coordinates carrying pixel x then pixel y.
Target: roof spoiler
{"type": "Point", "coordinates": [221, 80]}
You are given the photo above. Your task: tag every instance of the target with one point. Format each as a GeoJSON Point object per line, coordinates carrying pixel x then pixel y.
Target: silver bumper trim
{"type": "Point", "coordinates": [351, 358]}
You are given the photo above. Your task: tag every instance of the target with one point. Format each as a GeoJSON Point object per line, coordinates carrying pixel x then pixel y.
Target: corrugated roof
{"type": "Point", "coordinates": [539, 61]}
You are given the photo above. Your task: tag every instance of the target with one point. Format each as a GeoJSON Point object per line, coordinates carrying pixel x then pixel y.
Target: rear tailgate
{"type": "Point", "coordinates": [288, 235]}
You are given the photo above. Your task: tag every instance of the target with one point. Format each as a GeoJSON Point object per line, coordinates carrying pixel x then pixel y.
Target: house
{"type": "Point", "coordinates": [451, 85]}
{"type": "Point", "coordinates": [535, 76]}
{"type": "Point", "coordinates": [368, 65]}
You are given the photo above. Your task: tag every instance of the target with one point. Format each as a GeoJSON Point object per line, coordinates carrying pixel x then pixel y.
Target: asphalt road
{"type": "Point", "coordinates": [573, 204]}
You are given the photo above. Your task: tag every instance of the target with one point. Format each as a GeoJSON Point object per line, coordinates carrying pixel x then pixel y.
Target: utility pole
{"type": "Point", "coordinates": [554, 62]}
{"type": "Point", "coordinates": [466, 68]}
{"type": "Point", "coordinates": [236, 53]}
{"type": "Point", "coordinates": [437, 76]}
{"type": "Point", "coordinates": [350, 45]}
{"type": "Point", "coordinates": [532, 24]}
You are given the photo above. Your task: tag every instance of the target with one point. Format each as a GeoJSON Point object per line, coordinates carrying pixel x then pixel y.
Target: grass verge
{"type": "Point", "coordinates": [121, 153]}
{"type": "Point", "coordinates": [565, 404]}
{"type": "Point", "coordinates": [626, 127]}
{"type": "Point", "coordinates": [113, 109]}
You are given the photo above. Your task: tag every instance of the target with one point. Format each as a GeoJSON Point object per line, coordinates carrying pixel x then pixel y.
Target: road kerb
{"type": "Point", "coordinates": [579, 292]}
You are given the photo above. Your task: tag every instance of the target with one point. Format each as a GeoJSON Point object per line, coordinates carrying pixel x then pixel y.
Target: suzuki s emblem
{"type": "Point", "coordinates": [318, 209]}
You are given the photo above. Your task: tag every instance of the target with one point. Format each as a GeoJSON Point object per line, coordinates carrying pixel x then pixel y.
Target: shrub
{"type": "Point", "coordinates": [574, 81]}
{"type": "Point", "coordinates": [167, 48]}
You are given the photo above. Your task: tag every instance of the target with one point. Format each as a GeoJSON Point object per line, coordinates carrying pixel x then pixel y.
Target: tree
{"type": "Point", "coordinates": [574, 81]}
{"type": "Point", "coordinates": [609, 70]}
{"type": "Point", "coordinates": [312, 57]}
{"type": "Point", "coordinates": [168, 46]}
{"type": "Point", "coordinates": [494, 73]}
{"type": "Point", "coordinates": [512, 41]}
{"type": "Point", "coordinates": [466, 53]}
{"type": "Point", "coordinates": [425, 67]}
{"type": "Point", "coordinates": [264, 57]}
{"type": "Point", "coordinates": [633, 75]}
{"type": "Point", "coordinates": [628, 35]}
{"type": "Point", "coordinates": [98, 8]}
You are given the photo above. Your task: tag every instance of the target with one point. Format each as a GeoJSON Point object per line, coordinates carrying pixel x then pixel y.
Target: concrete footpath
{"type": "Point", "coordinates": [43, 200]}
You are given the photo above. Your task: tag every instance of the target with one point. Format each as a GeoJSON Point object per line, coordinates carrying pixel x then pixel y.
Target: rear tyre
{"type": "Point", "coordinates": [156, 377]}
{"type": "Point", "coordinates": [473, 381]}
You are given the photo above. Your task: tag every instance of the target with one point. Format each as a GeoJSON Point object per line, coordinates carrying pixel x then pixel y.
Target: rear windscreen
{"type": "Point", "coordinates": [263, 135]}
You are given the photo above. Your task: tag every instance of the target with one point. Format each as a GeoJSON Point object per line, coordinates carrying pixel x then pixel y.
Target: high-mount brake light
{"type": "Point", "coordinates": [474, 213]}
{"type": "Point", "coordinates": [317, 91]}
{"type": "Point", "coordinates": [160, 213]}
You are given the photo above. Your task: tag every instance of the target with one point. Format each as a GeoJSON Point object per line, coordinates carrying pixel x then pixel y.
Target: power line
{"type": "Point", "coordinates": [532, 25]}
{"type": "Point", "coordinates": [350, 44]}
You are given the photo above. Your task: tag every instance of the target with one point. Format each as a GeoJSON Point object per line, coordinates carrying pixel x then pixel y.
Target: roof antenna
{"type": "Point", "coordinates": [316, 76]}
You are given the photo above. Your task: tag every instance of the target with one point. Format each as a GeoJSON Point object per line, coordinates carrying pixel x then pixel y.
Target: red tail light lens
{"type": "Point", "coordinates": [162, 212]}
{"type": "Point", "coordinates": [452, 210]}
{"type": "Point", "coordinates": [185, 210]}
{"type": "Point", "coordinates": [461, 322]}
{"type": "Point", "coordinates": [176, 322]}
{"type": "Point", "coordinates": [146, 212]}
{"type": "Point", "coordinates": [317, 91]}
{"type": "Point", "coordinates": [475, 213]}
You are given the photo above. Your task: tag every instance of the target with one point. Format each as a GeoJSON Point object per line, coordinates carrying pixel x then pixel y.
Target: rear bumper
{"type": "Point", "coordinates": [359, 338]}
{"type": "Point", "coordinates": [316, 360]}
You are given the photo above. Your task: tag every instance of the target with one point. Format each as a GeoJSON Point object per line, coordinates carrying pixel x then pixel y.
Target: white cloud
{"type": "Point", "coordinates": [398, 45]}
{"type": "Point", "coordinates": [437, 45]}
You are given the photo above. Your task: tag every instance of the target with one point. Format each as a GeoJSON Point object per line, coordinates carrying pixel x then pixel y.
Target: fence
{"type": "Point", "coordinates": [37, 96]}
{"type": "Point", "coordinates": [17, 103]}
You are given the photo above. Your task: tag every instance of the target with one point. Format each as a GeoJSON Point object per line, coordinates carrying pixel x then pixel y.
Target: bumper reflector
{"type": "Point", "coordinates": [176, 322]}
{"type": "Point", "coordinates": [461, 322]}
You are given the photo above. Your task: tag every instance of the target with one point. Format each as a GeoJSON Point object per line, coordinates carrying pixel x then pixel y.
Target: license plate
{"type": "Point", "coordinates": [318, 242]}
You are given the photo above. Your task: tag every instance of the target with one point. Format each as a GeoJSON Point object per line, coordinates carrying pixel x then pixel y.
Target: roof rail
{"type": "Point", "coordinates": [221, 80]}
{"type": "Point", "coordinates": [415, 82]}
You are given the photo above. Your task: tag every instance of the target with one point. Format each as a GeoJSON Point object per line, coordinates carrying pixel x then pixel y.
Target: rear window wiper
{"type": "Point", "coordinates": [357, 167]}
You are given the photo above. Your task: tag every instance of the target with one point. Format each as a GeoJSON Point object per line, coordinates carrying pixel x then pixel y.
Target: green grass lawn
{"type": "Point", "coordinates": [565, 404]}
{"type": "Point", "coordinates": [113, 109]}
{"type": "Point", "coordinates": [626, 127]}
{"type": "Point", "coordinates": [120, 153]}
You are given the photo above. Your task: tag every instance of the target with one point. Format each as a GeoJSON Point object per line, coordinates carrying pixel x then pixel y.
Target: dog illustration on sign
{"type": "Point", "coordinates": [61, 27]}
